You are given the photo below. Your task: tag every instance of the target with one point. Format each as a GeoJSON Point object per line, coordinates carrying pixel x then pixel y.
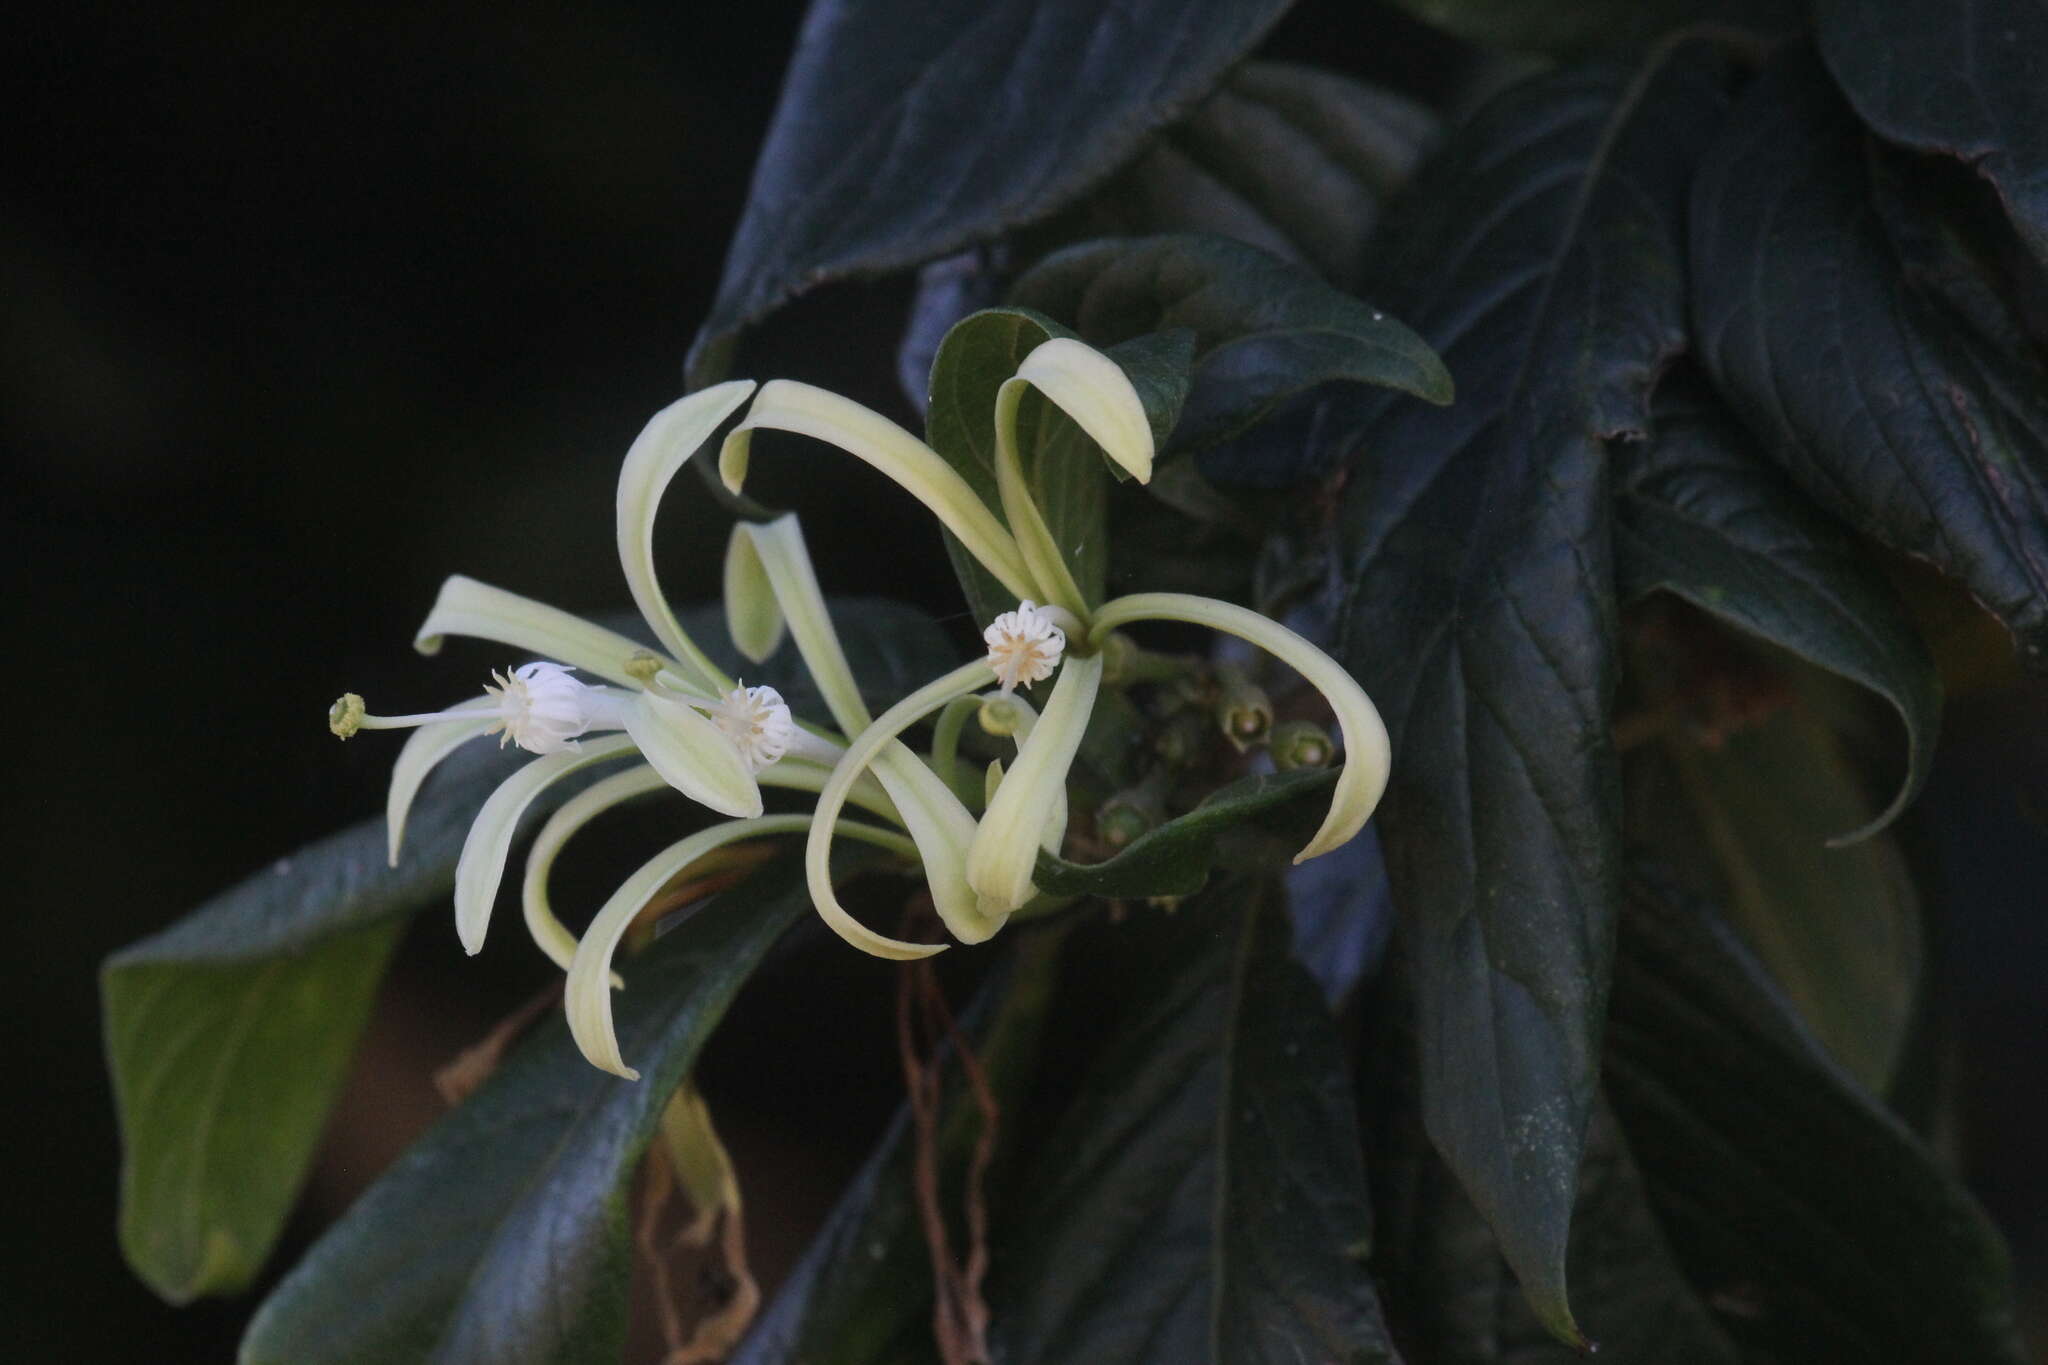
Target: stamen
{"type": "Point", "coordinates": [757, 721]}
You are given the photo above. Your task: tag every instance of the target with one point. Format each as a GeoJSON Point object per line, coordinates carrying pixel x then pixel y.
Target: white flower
{"type": "Point", "coordinates": [542, 709]}
{"type": "Point", "coordinates": [758, 723]}
{"type": "Point", "coordinates": [1024, 646]}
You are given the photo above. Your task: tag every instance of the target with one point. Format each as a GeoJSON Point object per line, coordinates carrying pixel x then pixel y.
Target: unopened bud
{"type": "Point", "coordinates": [1301, 744]}
{"type": "Point", "coordinates": [1005, 715]}
{"type": "Point", "coordinates": [1243, 710]}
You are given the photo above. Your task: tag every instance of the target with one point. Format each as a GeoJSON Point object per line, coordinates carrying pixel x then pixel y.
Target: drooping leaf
{"type": "Point", "coordinates": [501, 1235]}
{"type": "Point", "coordinates": [1964, 78]}
{"type": "Point", "coordinates": [908, 130]}
{"type": "Point", "coordinates": [1573, 26]}
{"type": "Point", "coordinates": [1264, 328]}
{"type": "Point", "coordinates": [1064, 469]}
{"type": "Point", "coordinates": [1746, 822]}
{"type": "Point", "coordinates": [862, 1295]}
{"type": "Point", "coordinates": [1883, 404]}
{"type": "Point", "coordinates": [1175, 858]}
{"type": "Point", "coordinates": [230, 1033]}
{"type": "Point", "coordinates": [1541, 253]}
{"type": "Point", "coordinates": [1703, 515]}
{"type": "Point", "coordinates": [1789, 1192]}
{"type": "Point", "coordinates": [1203, 1198]}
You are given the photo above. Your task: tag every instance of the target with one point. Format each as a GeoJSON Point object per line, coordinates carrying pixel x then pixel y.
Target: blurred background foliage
{"type": "Point", "coordinates": [308, 307]}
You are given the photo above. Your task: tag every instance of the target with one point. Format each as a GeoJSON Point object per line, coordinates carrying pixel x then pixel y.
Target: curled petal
{"type": "Point", "coordinates": [784, 405]}
{"type": "Point", "coordinates": [587, 998]}
{"type": "Point", "coordinates": [1093, 390]}
{"type": "Point", "coordinates": [1367, 755]}
{"type": "Point", "coordinates": [1004, 854]}
{"type": "Point", "coordinates": [482, 865]}
{"type": "Point", "coordinates": [693, 754]}
{"type": "Point", "coordinates": [467, 607]}
{"type": "Point", "coordinates": [424, 749]}
{"type": "Point", "coordinates": [549, 933]}
{"type": "Point", "coordinates": [752, 616]}
{"type": "Point", "coordinates": [934, 824]}
{"type": "Point", "coordinates": [1034, 538]}
{"type": "Point", "coordinates": [662, 448]}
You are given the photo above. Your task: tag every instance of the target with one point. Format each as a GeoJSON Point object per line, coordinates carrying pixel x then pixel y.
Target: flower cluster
{"type": "Point", "coordinates": [718, 741]}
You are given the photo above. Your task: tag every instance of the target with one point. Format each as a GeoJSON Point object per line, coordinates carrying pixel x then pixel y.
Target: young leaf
{"type": "Point", "coordinates": [907, 131]}
{"type": "Point", "coordinates": [1885, 406]}
{"type": "Point", "coordinates": [1785, 1186]}
{"type": "Point", "coordinates": [501, 1234]}
{"type": "Point", "coordinates": [1203, 1199]}
{"type": "Point", "coordinates": [1264, 328]}
{"type": "Point", "coordinates": [1542, 252]}
{"type": "Point", "coordinates": [1174, 859]}
{"type": "Point", "coordinates": [1702, 515]}
{"type": "Point", "coordinates": [1964, 78]}
{"type": "Point", "coordinates": [229, 1034]}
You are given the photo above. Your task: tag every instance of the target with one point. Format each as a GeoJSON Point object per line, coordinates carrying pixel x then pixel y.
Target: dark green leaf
{"type": "Point", "coordinates": [229, 1034]}
{"type": "Point", "coordinates": [1264, 328]}
{"type": "Point", "coordinates": [1568, 26]}
{"type": "Point", "coordinates": [1541, 252]}
{"type": "Point", "coordinates": [1291, 159]}
{"type": "Point", "coordinates": [1702, 515]}
{"type": "Point", "coordinates": [1885, 406]}
{"type": "Point", "coordinates": [1452, 1298]}
{"type": "Point", "coordinates": [501, 1235]}
{"type": "Point", "coordinates": [862, 1294]}
{"type": "Point", "coordinates": [1065, 470]}
{"type": "Point", "coordinates": [1203, 1199]}
{"type": "Point", "coordinates": [908, 130]}
{"type": "Point", "coordinates": [1965, 78]}
{"type": "Point", "coordinates": [1174, 859]}
{"type": "Point", "coordinates": [1787, 1189]}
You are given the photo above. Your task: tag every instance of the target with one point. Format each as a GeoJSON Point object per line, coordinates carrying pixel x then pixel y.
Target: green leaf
{"type": "Point", "coordinates": [1963, 78]}
{"type": "Point", "coordinates": [1265, 329]}
{"type": "Point", "coordinates": [1203, 1198]}
{"type": "Point", "coordinates": [229, 1034]}
{"type": "Point", "coordinates": [1174, 858]}
{"type": "Point", "coordinates": [1542, 252]}
{"type": "Point", "coordinates": [501, 1235]}
{"type": "Point", "coordinates": [1293, 160]}
{"type": "Point", "coordinates": [907, 131]}
{"type": "Point", "coordinates": [1704, 516]}
{"type": "Point", "coordinates": [1837, 1233]}
{"type": "Point", "coordinates": [1884, 405]}
{"type": "Point", "coordinates": [862, 1295]}
{"type": "Point", "coordinates": [1065, 470]}
{"type": "Point", "coordinates": [1571, 26]}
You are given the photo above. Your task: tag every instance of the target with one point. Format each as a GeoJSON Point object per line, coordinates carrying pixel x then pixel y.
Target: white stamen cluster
{"type": "Point", "coordinates": [541, 708]}
{"type": "Point", "coordinates": [757, 721]}
{"type": "Point", "coordinates": [1024, 646]}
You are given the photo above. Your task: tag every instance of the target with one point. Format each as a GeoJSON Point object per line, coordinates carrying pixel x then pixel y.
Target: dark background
{"type": "Point", "coordinates": [306, 309]}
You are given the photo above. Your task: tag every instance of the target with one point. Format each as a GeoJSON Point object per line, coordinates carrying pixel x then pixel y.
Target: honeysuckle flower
{"type": "Point", "coordinates": [1024, 646]}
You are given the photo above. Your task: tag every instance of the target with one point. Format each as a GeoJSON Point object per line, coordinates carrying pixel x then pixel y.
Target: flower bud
{"type": "Point", "coordinates": [1301, 744]}
{"type": "Point", "coordinates": [1243, 711]}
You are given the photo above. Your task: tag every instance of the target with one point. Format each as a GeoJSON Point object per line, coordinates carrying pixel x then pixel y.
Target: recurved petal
{"type": "Point", "coordinates": [1004, 853]}
{"type": "Point", "coordinates": [482, 865]}
{"type": "Point", "coordinates": [549, 933]}
{"type": "Point", "coordinates": [467, 607]}
{"type": "Point", "coordinates": [1090, 388]}
{"type": "Point", "coordinates": [424, 749]}
{"type": "Point", "coordinates": [663, 447]}
{"type": "Point", "coordinates": [752, 616]}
